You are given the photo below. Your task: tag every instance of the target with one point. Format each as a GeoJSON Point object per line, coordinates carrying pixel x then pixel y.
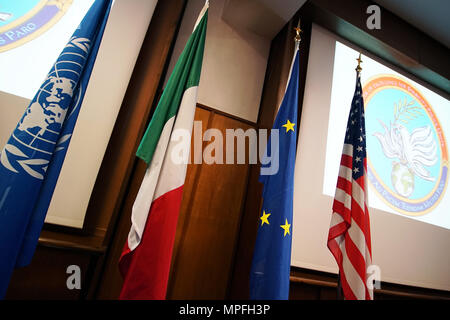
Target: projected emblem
{"type": "Point", "coordinates": [407, 151]}
{"type": "Point", "coordinates": [24, 20]}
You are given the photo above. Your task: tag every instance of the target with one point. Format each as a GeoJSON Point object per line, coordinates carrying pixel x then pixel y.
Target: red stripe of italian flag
{"type": "Point", "coordinates": [145, 260]}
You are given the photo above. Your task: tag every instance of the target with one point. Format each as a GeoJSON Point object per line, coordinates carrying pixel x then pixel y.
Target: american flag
{"type": "Point", "coordinates": [349, 234]}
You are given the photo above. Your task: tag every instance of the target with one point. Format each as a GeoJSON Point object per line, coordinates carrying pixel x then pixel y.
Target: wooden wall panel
{"type": "Point", "coordinates": [190, 184]}
{"type": "Point", "coordinates": [208, 228]}
{"type": "Point", "coordinates": [45, 278]}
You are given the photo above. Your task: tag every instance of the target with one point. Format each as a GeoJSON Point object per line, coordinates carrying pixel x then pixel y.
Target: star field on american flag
{"type": "Point", "coordinates": [356, 133]}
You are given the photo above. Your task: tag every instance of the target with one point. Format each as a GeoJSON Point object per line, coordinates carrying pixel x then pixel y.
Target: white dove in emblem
{"type": "Point", "coordinates": [416, 150]}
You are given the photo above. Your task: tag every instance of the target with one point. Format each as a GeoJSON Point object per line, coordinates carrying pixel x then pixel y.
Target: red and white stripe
{"type": "Point", "coordinates": [349, 234]}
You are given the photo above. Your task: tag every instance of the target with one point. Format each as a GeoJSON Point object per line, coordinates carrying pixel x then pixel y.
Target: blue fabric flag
{"type": "Point", "coordinates": [269, 276]}
{"type": "Point", "coordinates": [31, 160]}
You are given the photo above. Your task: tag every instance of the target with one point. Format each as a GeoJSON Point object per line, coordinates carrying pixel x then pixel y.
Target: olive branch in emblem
{"type": "Point", "coordinates": [406, 111]}
{"type": "Point", "coordinates": [61, 4]}
{"type": "Point", "coordinates": [81, 43]}
{"type": "Point", "coordinates": [61, 141]}
{"type": "Point", "coordinates": [24, 163]}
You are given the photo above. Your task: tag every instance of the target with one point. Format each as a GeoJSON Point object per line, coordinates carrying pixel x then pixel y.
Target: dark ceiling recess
{"type": "Point", "coordinates": [413, 36]}
{"type": "Point", "coordinates": [397, 42]}
{"type": "Point", "coordinates": [431, 17]}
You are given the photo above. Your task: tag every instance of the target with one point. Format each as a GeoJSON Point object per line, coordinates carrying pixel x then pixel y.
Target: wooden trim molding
{"type": "Point", "coordinates": [300, 276]}
{"type": "Point", "coordinates": [88, 244]}
{"type": "Point", "coordinates": [228, 115]}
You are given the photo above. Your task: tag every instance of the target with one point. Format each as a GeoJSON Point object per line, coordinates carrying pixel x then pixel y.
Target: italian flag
{"type": "Point", "coordinates": [145, 260]}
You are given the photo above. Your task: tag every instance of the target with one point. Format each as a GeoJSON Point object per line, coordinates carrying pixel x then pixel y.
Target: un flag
{"type": "Point", "coordinates": [32, 158]}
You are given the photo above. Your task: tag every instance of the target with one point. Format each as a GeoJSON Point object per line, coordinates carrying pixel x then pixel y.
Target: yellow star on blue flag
{"type": "Point", "coordinates": [289, 126]}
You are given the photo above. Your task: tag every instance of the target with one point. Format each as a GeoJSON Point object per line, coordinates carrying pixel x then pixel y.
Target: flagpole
{"type": "Point", "coordinates": [358, 67]}
{"type": "Point", "coordinates": [340, 293]}
{"type": "Point", "coordinates": [297, 38]}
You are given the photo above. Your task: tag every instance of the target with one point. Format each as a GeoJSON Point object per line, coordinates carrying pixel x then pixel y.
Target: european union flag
{"type": "Point", "coordinates": [32, 158]}
{"type": "Point", "coordinates": [269, 277]}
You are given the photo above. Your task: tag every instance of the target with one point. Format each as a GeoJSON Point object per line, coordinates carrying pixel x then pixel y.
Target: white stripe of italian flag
{"type": "Point", "coordinates": [145, 260]}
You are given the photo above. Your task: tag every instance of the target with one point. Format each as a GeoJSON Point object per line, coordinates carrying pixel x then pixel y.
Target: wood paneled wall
{"type": "Point", "coordinates": [46, 276]}
{"type": "Point", "coordinates": [209, 220]}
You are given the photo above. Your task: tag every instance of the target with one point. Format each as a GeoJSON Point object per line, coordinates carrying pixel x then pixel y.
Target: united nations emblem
{"type": "Point", "coordinates": [407, 150]}
{"type": "Point", "coordinates": [24, 20]}
{"type": "Point", "coordinates": [38, 134]}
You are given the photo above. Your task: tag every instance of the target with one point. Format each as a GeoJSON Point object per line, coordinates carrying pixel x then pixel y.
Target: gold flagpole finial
{"type": "Point", "coordinates": [298, 31]}
{"type": "Point", "coordinates": [358, 68]}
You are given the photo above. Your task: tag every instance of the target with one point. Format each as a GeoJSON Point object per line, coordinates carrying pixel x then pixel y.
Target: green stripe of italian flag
{"type": "Point", "coordinates": [145, 260]}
